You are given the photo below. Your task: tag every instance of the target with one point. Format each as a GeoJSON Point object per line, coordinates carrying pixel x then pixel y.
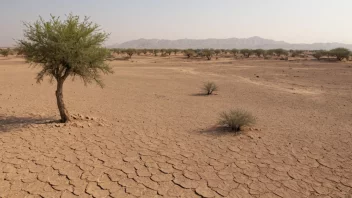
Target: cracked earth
{"type": "Point", "coordinates": [159, 139]}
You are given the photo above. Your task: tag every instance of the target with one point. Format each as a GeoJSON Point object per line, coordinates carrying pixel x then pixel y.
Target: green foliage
{"type": "Point", "coordinates": [234, 51]}
{"type": "Point", "coordinates": [66, 48]}
{"type": "Point", "coordinates": [207, 53]}
{"type": "Point", "coordinates": [5, 52]}
{"type": "Point", "coordinates": [130, 52]}
{"type": "Point", "coordinates": [175, 51]}
{"type": "Point", "coordinates": [236, 118]}
{"type": "Point", "coordinates": [259, 52]}
{"type": "Point", "coordinates": [209, 87]}
{"type": "Point", "coordinates": [189, 53]}
{"type": "Point", "coordinates": [280, 52]}
{"type": "Point", "coordinates": [144, 51]}
{"type": "Point", "coordinates": [155, 52]}
{"type": "Point", "coordinates": [340, 53]}
{"type": "Point", "coordinates": [246, 52]}
{"type": "Point", "coordinates": [319, 53]}
{"type": "Point", "coordinates": [217, 52]}
{"type": "Point", "coordinates": [295, 53]}
{"type": "Point", "coordinates": [63, 48]}
{"type": "Point", "coordinates": [169, 51]}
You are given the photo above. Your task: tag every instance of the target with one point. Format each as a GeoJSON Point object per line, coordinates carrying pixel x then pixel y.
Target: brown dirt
{"type": "Point", "coordinates": [149, 133]}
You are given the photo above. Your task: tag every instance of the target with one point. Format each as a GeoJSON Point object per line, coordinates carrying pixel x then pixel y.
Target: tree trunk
{"type": "Point", "coordinates": [65, 116]}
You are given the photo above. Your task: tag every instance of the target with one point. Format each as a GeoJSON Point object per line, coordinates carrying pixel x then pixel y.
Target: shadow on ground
{"type": "Point", "coordinates": [218, 131]}
{"type": "Point", "coordinates": [9, 123]}
{"type": "Point", "coordinates": [203, 94]}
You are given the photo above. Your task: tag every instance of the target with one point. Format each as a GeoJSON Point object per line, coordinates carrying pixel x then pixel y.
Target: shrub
{"type": "Point", "coordinates": [217, 52]}
{"type": "Point", "coordinates": [175, 51]}
{"type": "Point", "coordinates": [155, 52]}
{"type": "Point", "coordinates": [234, 52]}
{"type": "Point", "coordinates": [259, 52]}
{"type": "Point", "coordinates": [236, 118]}
{"type": "Point", "coordinates": [210, 87]}
{"type": "Point", "coordinates": [340, 53]}
{"type": "Point", "coordinates": [246, 52]}
{"type": "Point", "coordinates": [280, 52]}
{"type": "Point", "coordinates": [189, 53]}
{"type": "Point", "coordinates": [5, 52]}
{"type": "Point", "coordinates": [318, 54]}
{"type": "Point", "coordinates": [207, 53]}
{"type": "Point", "coordinates": [130, 52]}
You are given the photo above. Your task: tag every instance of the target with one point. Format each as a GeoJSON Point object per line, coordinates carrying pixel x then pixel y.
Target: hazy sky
{"type": "Point", "coordinates": [293, 21]}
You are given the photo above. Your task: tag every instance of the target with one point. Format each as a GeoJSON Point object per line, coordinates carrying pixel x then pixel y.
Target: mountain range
{"type": "Point", "coordinates": [230, 43]}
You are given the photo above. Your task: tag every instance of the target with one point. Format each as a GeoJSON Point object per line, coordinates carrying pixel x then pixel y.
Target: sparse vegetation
{"type": "Point", "coordinates": [209, 87]}
{"type": "Point", "coordinates": [71, 47]}
{"type": "Point", "coordinates": [235, 119]}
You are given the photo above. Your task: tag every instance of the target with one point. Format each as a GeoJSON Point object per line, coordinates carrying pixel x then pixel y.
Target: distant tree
{"type": "Point", "coordinates": [258, 52]}
{"type": "Point", "coordinates": [208, 53]}
{"type": "Point", "coordinates": [340, 53]}
{"type": "Point", "coordinates": [319, 53]}
{"type": "Point", "coordinates": [71, 47]}
{"type": "Point", "coordinates": [295, 53]}
{"type": "Point", "coordinates": [5, 52]}
{"type": "Point", "coordinates": [280, 52]}
{"type": "Point", "coordinates": [169, 51]}
{"type": "Point", "coordinates": [189, 53]}
{"type": "Point", "coordinates": [130, 52]}
{"type": "Point", "coordinates": [246, 52]}
{"type": "Point", "coordinates": [217, 52]}
{"type": "Point", "coordinates": [234, 51]}
{"type": "Point", "coordinates": [175, 51]}
{"type": "Point", "coordinates": [145, 51]}
{"type": "Point", "coordinates": [162, 51]}
{"type": "Point", "coordinates": [155, 52]}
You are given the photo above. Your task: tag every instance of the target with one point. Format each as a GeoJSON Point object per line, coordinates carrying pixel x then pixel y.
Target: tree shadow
{"type": "Point", "coordinates": [203, 94]}
{"type": "Point", "coordinates": [9, 123]}
{"type": "Point", "coordinates": [219, 131]}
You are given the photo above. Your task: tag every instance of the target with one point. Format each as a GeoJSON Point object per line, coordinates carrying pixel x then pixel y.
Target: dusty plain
{"type": "Point", "coordinates": [149, 133]}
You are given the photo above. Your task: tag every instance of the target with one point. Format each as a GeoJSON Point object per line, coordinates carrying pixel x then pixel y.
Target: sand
{"type": "Point", "coordinates": [150, 133]}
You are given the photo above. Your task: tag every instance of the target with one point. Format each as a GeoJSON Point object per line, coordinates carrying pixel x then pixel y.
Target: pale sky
{"type": "Point", "coordinates": [294, 21]}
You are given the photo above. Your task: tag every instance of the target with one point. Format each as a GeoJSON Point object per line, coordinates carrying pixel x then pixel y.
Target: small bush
{"type": "Point", "coordinates": [236, 118]}
{"type": "Point", "coordinates": [209, 87]}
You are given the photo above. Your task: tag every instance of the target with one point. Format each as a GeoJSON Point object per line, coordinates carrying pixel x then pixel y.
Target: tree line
{"type": "Point", "coordinates": [338, 53]}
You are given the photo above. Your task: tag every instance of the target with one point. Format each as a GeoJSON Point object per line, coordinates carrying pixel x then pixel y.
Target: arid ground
{"type": "Point", "coordinates": [150, 133]}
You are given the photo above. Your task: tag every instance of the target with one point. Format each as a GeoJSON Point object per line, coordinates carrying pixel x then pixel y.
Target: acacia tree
{"type": "Point", "coordinates": [217, 52]}
{"type": "Point", "coordinates": [63, 48]}
{"type": "Point", "coordinates": [259, 52]}
{"type": "Point", "coordinates": [234, 52]}
{"type": "Point", "coordinates": [189, 53]}
{"type": "Point", "coordinates": [207, 53]}
{"type": "Point", "coordinates": [130, 52]}
{"type": "Point", "coordinates": [175, 51]}
{"type": "Point", "coordinates": [5, 52]}
{"type": "Point", "coordinates": [340, 53]}
{"type": "Point", "coordinates": [319, 53]}
{"type": "Point", "coordinates": [246, 52]}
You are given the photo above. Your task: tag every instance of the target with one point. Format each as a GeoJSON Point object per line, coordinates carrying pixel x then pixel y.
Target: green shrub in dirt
{"type": "Point", "coordinates": [209, 87]}
{"type": "Point", "coordinates": [235, 119]}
